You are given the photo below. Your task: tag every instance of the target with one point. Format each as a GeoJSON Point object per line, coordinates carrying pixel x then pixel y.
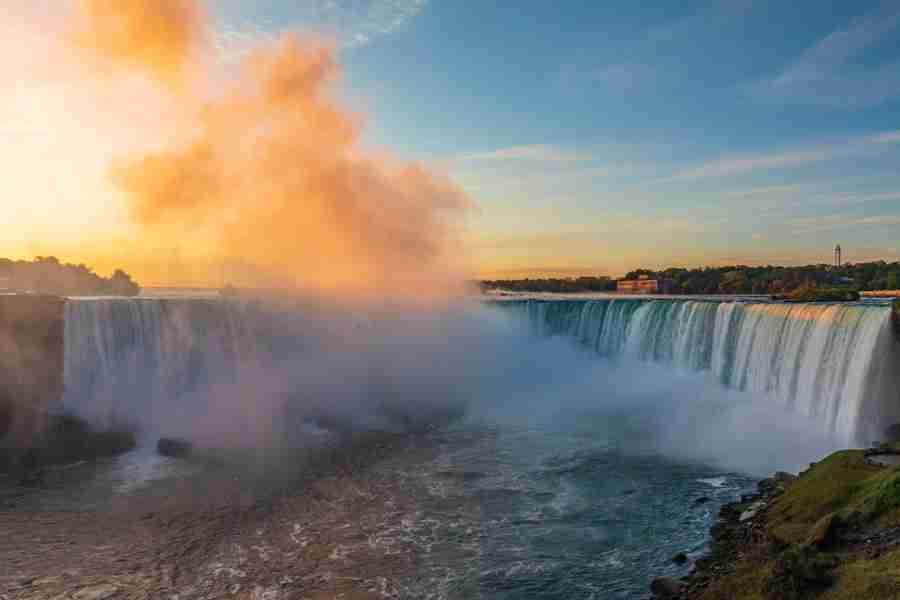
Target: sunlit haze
{"type": "Point", "coordinates": [549, 139]}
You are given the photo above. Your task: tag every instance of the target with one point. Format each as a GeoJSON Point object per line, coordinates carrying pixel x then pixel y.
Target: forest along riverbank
{"type": "Point", "coordinates": [833, 532]}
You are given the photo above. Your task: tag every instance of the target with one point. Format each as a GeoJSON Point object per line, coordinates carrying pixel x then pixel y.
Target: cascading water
{"type": "Point", "coordinates": [141, 362]}
{"type": "Point", "coordinates": [144, 362]}
{"type": "Point", "coordinates": [829, 362]}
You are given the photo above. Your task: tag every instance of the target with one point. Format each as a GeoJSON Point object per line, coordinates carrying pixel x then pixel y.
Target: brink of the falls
{"type": "Point", "coordinates": [835, 363]}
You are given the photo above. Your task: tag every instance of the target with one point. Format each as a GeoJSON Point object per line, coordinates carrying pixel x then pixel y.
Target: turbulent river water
{"type": "Point", "coordinates": [599, 437]}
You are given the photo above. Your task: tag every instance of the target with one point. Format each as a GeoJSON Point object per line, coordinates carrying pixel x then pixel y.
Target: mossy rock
{"type": "Point", "coordinates": [804, 555]}
{"type": "Point", "coordinates": [800, 571]}
{"type": "Point", "coordinates": [825, 532]}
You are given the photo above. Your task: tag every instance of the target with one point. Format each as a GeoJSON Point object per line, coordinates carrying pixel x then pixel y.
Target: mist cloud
{"type": "Point", "coordinates": [268, 168]}
{"type": "Point", "coordinates": [157, 37]}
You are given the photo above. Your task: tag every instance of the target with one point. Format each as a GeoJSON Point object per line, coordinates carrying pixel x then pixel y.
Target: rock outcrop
{"type": "Point", "coordinates": [832, 531]}
{"type": "Point", "coordinates": [33, 432]}
{"type": "Point", "coordinates": [31, 368]}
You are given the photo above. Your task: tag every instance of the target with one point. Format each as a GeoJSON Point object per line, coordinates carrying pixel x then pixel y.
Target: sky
{"type": "Point", "coordinates": [592, 137]}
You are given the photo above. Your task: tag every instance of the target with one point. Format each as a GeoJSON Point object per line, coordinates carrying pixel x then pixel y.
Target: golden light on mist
{"type": "Point", "coordinates": [255, 165]}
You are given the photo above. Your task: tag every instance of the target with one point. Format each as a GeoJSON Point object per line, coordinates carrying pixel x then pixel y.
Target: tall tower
{"type": "Point", "coordinates": [837, 257]}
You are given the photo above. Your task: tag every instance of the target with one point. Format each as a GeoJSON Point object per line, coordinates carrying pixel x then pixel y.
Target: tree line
{"type": "Point", "coordinates": [734, 279]}
{"type": "Point", "coordinates": [559, 285]}
{"type": "Point", "coordinates": [47, 275]}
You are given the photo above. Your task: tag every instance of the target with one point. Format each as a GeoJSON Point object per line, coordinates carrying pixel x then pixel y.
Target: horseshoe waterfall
{"type": "Point", "coordinates": [835, 363]}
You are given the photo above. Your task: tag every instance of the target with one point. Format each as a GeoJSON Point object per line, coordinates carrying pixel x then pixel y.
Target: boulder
{"type": "Point", "coordinates": [766, 486]}
{"type": "Point", "coordinates": [701, 500]}
{"type": "Point", "coordinates": [666, 587]}
{"type": "Point", "coordinates": [751, 511]}
{"type": "Point", "coordinates": [680, 558]}
{"type": "Point", "coordinates": [824, 533]}
{"type": "Point", "coordinates": [97, 592]}
{"type": "Point", "coordinates": [784, 478]}
{"type": "Point", "coordinates": [63, 439]}
{"type": "Point", "coordinates": [174, 447]}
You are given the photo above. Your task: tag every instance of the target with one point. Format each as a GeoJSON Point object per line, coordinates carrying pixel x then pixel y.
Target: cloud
{"type": "Point", "coordinates": [738, 165]}
{"type": "Point", "coordinates": [351, 23]}
{"type": "Point", "coordinates": [613, 78]}
{"type": "Point", "coordinates": [888, 137]}
{"type": "Point", "coordinates": [535, 152]}
{"type": "Point", "coordinates": [160, 41]}
{"type": "Point", "coordinates": [625, 77]}
{"type": "Point", "coordinates": [604, 228]}
{"type": "Point", "coordinates": [766, 190]}
{"type": "Point", "coordinates": [834, 222]}
{"type": "Point", "coordinates": [826, 74]}
{"type": "Point", "coordinates": [269, 167]}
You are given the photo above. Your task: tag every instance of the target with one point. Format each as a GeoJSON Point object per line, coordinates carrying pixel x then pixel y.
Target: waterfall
{"type": "Point", "coordinates": [150, 362]}
{"type": "Point", "coordinates": [835, 363]}
{"type": "Point", "coordinates": [138, 362]}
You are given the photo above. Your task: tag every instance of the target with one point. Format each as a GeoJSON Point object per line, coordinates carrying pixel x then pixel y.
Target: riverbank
{"type": "Point", "coordinates": [831, 533]}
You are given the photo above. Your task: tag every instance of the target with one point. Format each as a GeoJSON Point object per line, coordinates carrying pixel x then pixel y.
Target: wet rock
{"type": "Point", "coordinates": [666, 587]}
{"type": "Point", "coordinates": [174, 447]}
{"type": "Point", "coordinates": [701, 500]}
{"type": "Point", "coordinates": [767, 485]}
{"type": "Point", "coordinates": [98, 592]}
{"type": "Point", "coordinates": [751, 511]}
{"type": "Point", "coordinates": [680, 558]}
{"type": "Point", "coordinates": [63, 439]}
{"type": "Point", "coordinates": [784, 478]}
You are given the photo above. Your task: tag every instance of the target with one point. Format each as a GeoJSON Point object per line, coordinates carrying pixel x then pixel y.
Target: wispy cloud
{"type": "Point", "coordinates": [888, 137]}
{"type": "Point", "coordinates": [738, 165]}
{"type": "Point", "coordinates": [744, 164]}
{"type": "Point", "coordinates": [835, 222]}
{"type": "Point", "coordinates": [352, 23]}
{"type": "Point", "coordinates": [826, 74]}
{"type": "Point", "coordinates": [604, 227]}
{"type": "Point", "coordinates": [534, 152]}
{"type": "Point", "coordinates": [612, 78]}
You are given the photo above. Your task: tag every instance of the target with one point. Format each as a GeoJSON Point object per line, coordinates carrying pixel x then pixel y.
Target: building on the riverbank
{"type": "Point", "coordinates": [645, 285]}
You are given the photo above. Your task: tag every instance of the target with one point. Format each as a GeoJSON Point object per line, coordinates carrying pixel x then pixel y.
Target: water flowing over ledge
{"type": "Point", "coordinates": [147, 362]}
{"type": "Point", "coordinates": [835, 363]}
{"type": "Point", "coordinates": [153, 361]}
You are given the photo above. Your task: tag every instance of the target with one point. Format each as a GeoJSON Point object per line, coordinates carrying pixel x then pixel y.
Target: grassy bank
{"type": "Point", "coordinates": [832, 534]}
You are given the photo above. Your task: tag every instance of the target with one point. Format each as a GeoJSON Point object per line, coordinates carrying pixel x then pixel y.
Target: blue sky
{"type": "Point", "coordinates": [596, 137]}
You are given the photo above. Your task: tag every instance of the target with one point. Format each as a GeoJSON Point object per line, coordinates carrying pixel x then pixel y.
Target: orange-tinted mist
{"type": "Point", "coordinates": [267, 170]}
{"type": "Point", "coordinates": [158, 36]}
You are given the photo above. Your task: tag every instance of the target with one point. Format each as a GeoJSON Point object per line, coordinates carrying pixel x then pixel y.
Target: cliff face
{"type": "Point", "coordinates": [31, 364]}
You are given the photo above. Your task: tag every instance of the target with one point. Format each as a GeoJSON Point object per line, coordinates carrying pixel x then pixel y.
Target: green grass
{"type": "Point", "coordinates": [843, 486]}
{"type": "Point", "coordinates": [831, 485]}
